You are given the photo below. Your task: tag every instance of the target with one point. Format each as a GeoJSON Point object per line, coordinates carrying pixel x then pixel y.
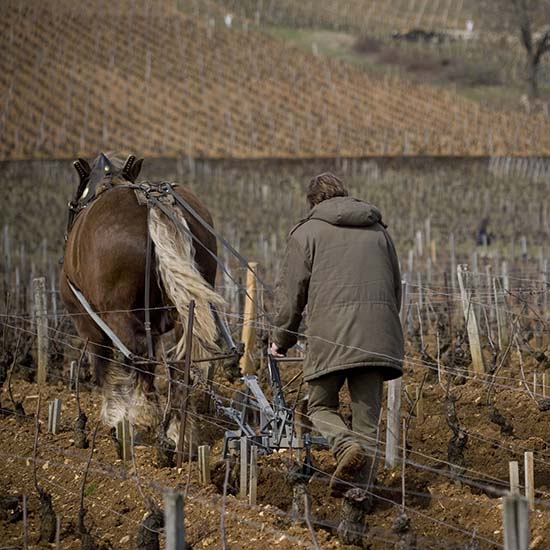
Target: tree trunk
{"type": "Point", "coordinates": [532, 77]}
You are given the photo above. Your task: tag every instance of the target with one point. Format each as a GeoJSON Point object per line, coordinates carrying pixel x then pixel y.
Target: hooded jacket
{"type": "Point", "coordinates": [341, 262]}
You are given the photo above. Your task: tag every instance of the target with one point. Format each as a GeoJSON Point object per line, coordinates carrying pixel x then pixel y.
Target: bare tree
{"type": "Point", "coordinates": [536, 48]}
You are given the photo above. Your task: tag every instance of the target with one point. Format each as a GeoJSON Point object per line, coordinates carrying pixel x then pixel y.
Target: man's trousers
{"type": "Point", "coordinates": [365, 386]}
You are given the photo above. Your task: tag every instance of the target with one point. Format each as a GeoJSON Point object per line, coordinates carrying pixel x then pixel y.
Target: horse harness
{"type": "Point", "coordinates": [77, 206]}
{"type": "Point", "coordinates": [158, 194]}
{"type": "Point", "coordinates": [93, 182]}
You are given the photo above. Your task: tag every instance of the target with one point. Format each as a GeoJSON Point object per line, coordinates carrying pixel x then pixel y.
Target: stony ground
{"type": "Point", "coordinates": [444, 512]}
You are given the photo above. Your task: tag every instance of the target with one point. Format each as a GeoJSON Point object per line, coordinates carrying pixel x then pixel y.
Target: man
{"type": "Point", "coordinates": [341, 262]}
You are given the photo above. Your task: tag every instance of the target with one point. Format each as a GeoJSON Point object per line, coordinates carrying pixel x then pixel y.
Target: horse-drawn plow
{"type": "Point", "coordinates": [276, 429]}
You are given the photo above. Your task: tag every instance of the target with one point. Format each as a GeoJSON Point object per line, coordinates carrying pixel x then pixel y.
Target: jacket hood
{"type": "Point", "coordinates": [346, 211]}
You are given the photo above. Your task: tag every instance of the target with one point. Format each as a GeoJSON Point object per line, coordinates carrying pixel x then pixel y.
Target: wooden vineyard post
{"type": "Point", "coordinates": [529, 479]}
{"type": "Point", "coordinates": [204, 464]}
{"type": "Point", "coordinates": [54, 416]}
{"type": "Point", "coordinates": [173, 521]}
{"type": "Point", "coordinates": [253, 481]}
{"type": "Point", "coordinates": [404, 303]}
{"type": "Point", "coordinates": [449, 315]}
{"type": "Point", "coordinates": [515, 512]}
{"type": "Point", "coordinates": [489, 294]}
{"type": "Point", "coordinates": [474, 284]}
{"type": "Point", "coordinates": [58, 533]}
{"type": "Point", "coordinates": [40, 312]}
{"type": "Point", "coordinates": [394, 397]}
{"type": "Point", "coordinates": [523, 245]}
{"type": "Point", "coordinates": [186, 382]}
{"type": "Point", "coordinates": [243, 455]}
{"type": "Point", "coordinates": [248, 360]}
{"type": "Point", "coordinates": [124, 439]}
{"type": "Point", "coordinates": [18, 301]}
{"type": "Point", "coordinates": [419, 244]}
{"type": "Point", "coordinates": [453, 261]}
{"type": "Point", "coordinates": [475, 264]}
{"type": "Point", "coordinates": [420, 299]}
{"type": "Point", "coordinates": [7, 256]}
{"type": "Point", "coordinates": [471, 321]}
{"type": "Point", "coordinates": [25, 524]}
{"type": "Point", "coordinates": [53, 292]}
{"type": "Point", "coordinates": [428, 233]}
{"type": "Point", "coordinates": [514, 477]}
{"type": "Point", "coordinates": [505, 278]}
{"type": "Point", "coordinates": [500, 306]}
{"type": "Point", "coordinates": [72, 375]}
{"type": "Point", "coordinates": [545, 285]}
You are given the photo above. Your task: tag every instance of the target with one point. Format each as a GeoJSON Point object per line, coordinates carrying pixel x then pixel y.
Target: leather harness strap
{"type": "Point", "coordinates": [157, 201]}
{"type": "Point", "coordinates": [147, 298]}
{"type": "Point", "coordinates": [167, 188]}
{"type": "Point", "coordinates": [101, 323]}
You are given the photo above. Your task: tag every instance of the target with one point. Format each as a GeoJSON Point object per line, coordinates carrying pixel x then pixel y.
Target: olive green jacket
{"type": "Point", "coordinates": [341, 262]}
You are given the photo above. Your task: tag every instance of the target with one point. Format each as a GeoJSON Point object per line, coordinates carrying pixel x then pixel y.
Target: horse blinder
{"type": "Point", "coordinates": [131, 168]}
{"type": "Point", "coordinates": [83, 169]}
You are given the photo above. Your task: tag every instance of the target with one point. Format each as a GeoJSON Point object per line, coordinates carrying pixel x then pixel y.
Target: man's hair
{"type": "Point", "coordinates": [324, 186]}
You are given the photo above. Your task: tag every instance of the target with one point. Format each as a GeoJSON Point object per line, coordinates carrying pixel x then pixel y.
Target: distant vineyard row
{"type": "Point", "coordinates": [164, 83]}
{"type": "Point", "coordinates": [373, 15]}
{"type": "Point", "coordinates": [352, 14]}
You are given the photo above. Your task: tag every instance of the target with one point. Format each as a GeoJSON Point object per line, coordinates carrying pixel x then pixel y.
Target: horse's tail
{"type": "Point", "coordinates": [182, 282]}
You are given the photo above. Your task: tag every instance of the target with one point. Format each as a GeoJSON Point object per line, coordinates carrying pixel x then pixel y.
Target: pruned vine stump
{"type": "Point", "coordinates": [352, 528]}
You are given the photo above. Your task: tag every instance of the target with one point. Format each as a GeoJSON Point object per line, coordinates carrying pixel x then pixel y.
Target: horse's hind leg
{"type": "Point", "coordinates": [117, 388]}
{"type": "Point", "coordinates": [132, 384]}
{"type": "Point", "coordinates": [144, 411]}
{"type": "Point", "coordinates": [114, 379]}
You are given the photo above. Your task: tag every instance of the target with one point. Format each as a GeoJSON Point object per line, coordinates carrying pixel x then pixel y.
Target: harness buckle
{"type": "Point", "coordinates": [166, 187]}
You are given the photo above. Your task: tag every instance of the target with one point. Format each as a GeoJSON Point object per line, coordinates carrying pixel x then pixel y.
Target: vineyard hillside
{"type": "Point", "coordinates": [76, 78]}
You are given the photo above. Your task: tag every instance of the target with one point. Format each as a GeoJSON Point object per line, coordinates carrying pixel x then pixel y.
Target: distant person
{"type": "Point", "coordinates": [483, 237]}
{"type": "Point", "coordinates": [341, 262]}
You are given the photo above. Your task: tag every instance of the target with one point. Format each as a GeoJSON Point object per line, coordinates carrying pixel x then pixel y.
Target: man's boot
{"type": "Point", "coordinates": [348, 471]}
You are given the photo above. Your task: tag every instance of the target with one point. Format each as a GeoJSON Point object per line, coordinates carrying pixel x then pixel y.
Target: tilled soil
{"type": "Point", "coordinates": [445, 512]}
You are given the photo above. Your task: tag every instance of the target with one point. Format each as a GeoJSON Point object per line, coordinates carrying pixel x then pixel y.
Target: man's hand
{"type": "Point", "coordinates": [274, 350]}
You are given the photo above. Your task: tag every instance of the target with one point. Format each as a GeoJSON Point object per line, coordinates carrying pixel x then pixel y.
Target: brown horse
{"type": "Point", "coordinates": [105, 259]}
